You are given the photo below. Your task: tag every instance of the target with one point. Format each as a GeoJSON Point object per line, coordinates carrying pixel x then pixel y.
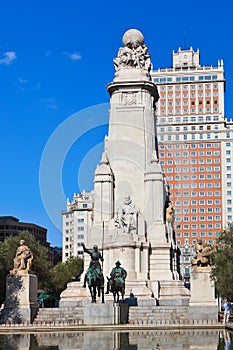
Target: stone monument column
{"type": "Point", "coordinates": [21, 302]}
{"type": "Point", "coordinates": [130, 189]}
{"type": "Point", "coordinates": [130, 183]}
{"type": "Point", "coordinates": [202, 301]}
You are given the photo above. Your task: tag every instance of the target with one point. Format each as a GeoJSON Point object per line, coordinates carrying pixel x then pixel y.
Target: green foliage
{"type": "Point", "coordinates": [222, 272]}
{"type": "Point", "coordinates": [40, 264]}
{"type": "Point", "coordinates": [63, 273]}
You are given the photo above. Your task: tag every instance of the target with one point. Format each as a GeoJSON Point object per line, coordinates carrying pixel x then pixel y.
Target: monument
{"type": "Point", "coordinates": [202, 300]}
{"type": "Point", "coordinates": [21, 289]}
{"type": "Point", "coordinates": [130, 189]}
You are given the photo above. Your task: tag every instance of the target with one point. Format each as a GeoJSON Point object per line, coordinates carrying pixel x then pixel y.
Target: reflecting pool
{"type": "Point", "coordinates": [155, 340]}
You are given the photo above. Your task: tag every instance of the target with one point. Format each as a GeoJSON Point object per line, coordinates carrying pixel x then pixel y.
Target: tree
{"type": "Point", "coordinates": [222, 271]}
{"type": "Point", "coordinates": [63, 273]}
{"type": "Point", "coordinates": [40, 264]}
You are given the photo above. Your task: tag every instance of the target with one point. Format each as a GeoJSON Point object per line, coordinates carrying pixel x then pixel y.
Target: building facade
{"type": "Point", "coordinates": [76, 221]}
{"type": "Point", "coordinates": [11, 226]}
{"type": "Point", "coordinates": [195, 142]}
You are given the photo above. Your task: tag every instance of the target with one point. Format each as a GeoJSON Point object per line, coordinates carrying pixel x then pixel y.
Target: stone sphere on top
{"type": "Point", "coordinates": [132, 36]}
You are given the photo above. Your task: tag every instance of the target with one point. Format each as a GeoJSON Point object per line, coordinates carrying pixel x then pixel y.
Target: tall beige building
{"type": "Point", "coordinates": [76, 222]}
{"type": "Point", "coordinates": [195, 142]}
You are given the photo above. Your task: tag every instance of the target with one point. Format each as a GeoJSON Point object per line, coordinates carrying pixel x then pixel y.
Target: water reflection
{"type": "Point", "coordinates": [106, 340]}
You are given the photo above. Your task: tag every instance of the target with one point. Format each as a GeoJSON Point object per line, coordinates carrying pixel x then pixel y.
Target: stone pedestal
{"type": "Point", "coordinates": [202, 301]}
{"type": "Point", "coordinates": [173, 293]}
{"type": "Point", "coordinates": [101, 314]}
{"type": "Point", "coordinates": [202, 288]}
{"type": "Point", "coordinates": [74, 295]}
{"type": "Point", "coordinates": [21, 298]}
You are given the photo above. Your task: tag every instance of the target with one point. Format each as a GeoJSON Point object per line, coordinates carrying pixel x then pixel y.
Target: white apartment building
{"type": "Point", "coordinates": [76, 221]}
{"type": "Point", "coordinates": [195, 142]}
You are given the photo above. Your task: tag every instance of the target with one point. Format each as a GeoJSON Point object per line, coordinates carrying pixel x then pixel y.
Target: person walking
{"type": "Point", "coordinates": [227, 311]}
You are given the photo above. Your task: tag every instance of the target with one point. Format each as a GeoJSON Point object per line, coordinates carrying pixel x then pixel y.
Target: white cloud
{"type": "Point", "coordinates": [75, 56]}
{"type": "Point", "coordinates": [22, 81]}
{"type": "Point", "coordinates": [38, 87]}
{"type": "Point", "coordinates": [50, 103]}
{"type": "Point", "coordinates": [9, 57]}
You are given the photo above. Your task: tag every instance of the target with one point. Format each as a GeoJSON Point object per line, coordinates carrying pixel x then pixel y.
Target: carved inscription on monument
{"type": "Point", "coordinates": [129, 98]}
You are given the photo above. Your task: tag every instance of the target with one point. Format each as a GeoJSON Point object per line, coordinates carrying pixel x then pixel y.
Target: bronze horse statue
{"type": "Point", "coordinates": [117, 287]}
{"type": "Point", "coordinates": [96, 285]}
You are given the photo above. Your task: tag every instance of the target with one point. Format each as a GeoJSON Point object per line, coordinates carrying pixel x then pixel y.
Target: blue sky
{"type": "Point", "coordinates": [56, 60]}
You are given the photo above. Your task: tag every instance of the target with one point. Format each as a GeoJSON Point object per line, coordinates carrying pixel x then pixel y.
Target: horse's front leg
{"type": "Point", "coordinates": [94, 295]}
{"type": "Point", "coordinates": [118, 296]}
{"type": "Point", "coordinates": [123, 293]}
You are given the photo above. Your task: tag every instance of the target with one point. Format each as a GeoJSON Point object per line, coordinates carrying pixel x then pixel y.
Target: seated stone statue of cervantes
{"type": "Point", "coordinates": [23, 258]}
{"type": "Point", "coordinates": [126, 218]}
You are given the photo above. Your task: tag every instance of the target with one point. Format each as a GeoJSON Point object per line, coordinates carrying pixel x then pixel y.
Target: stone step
{"type": "Point", "coordinates": [163, 315]}
{"type": "Point", "coordinates": [59, 315]}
